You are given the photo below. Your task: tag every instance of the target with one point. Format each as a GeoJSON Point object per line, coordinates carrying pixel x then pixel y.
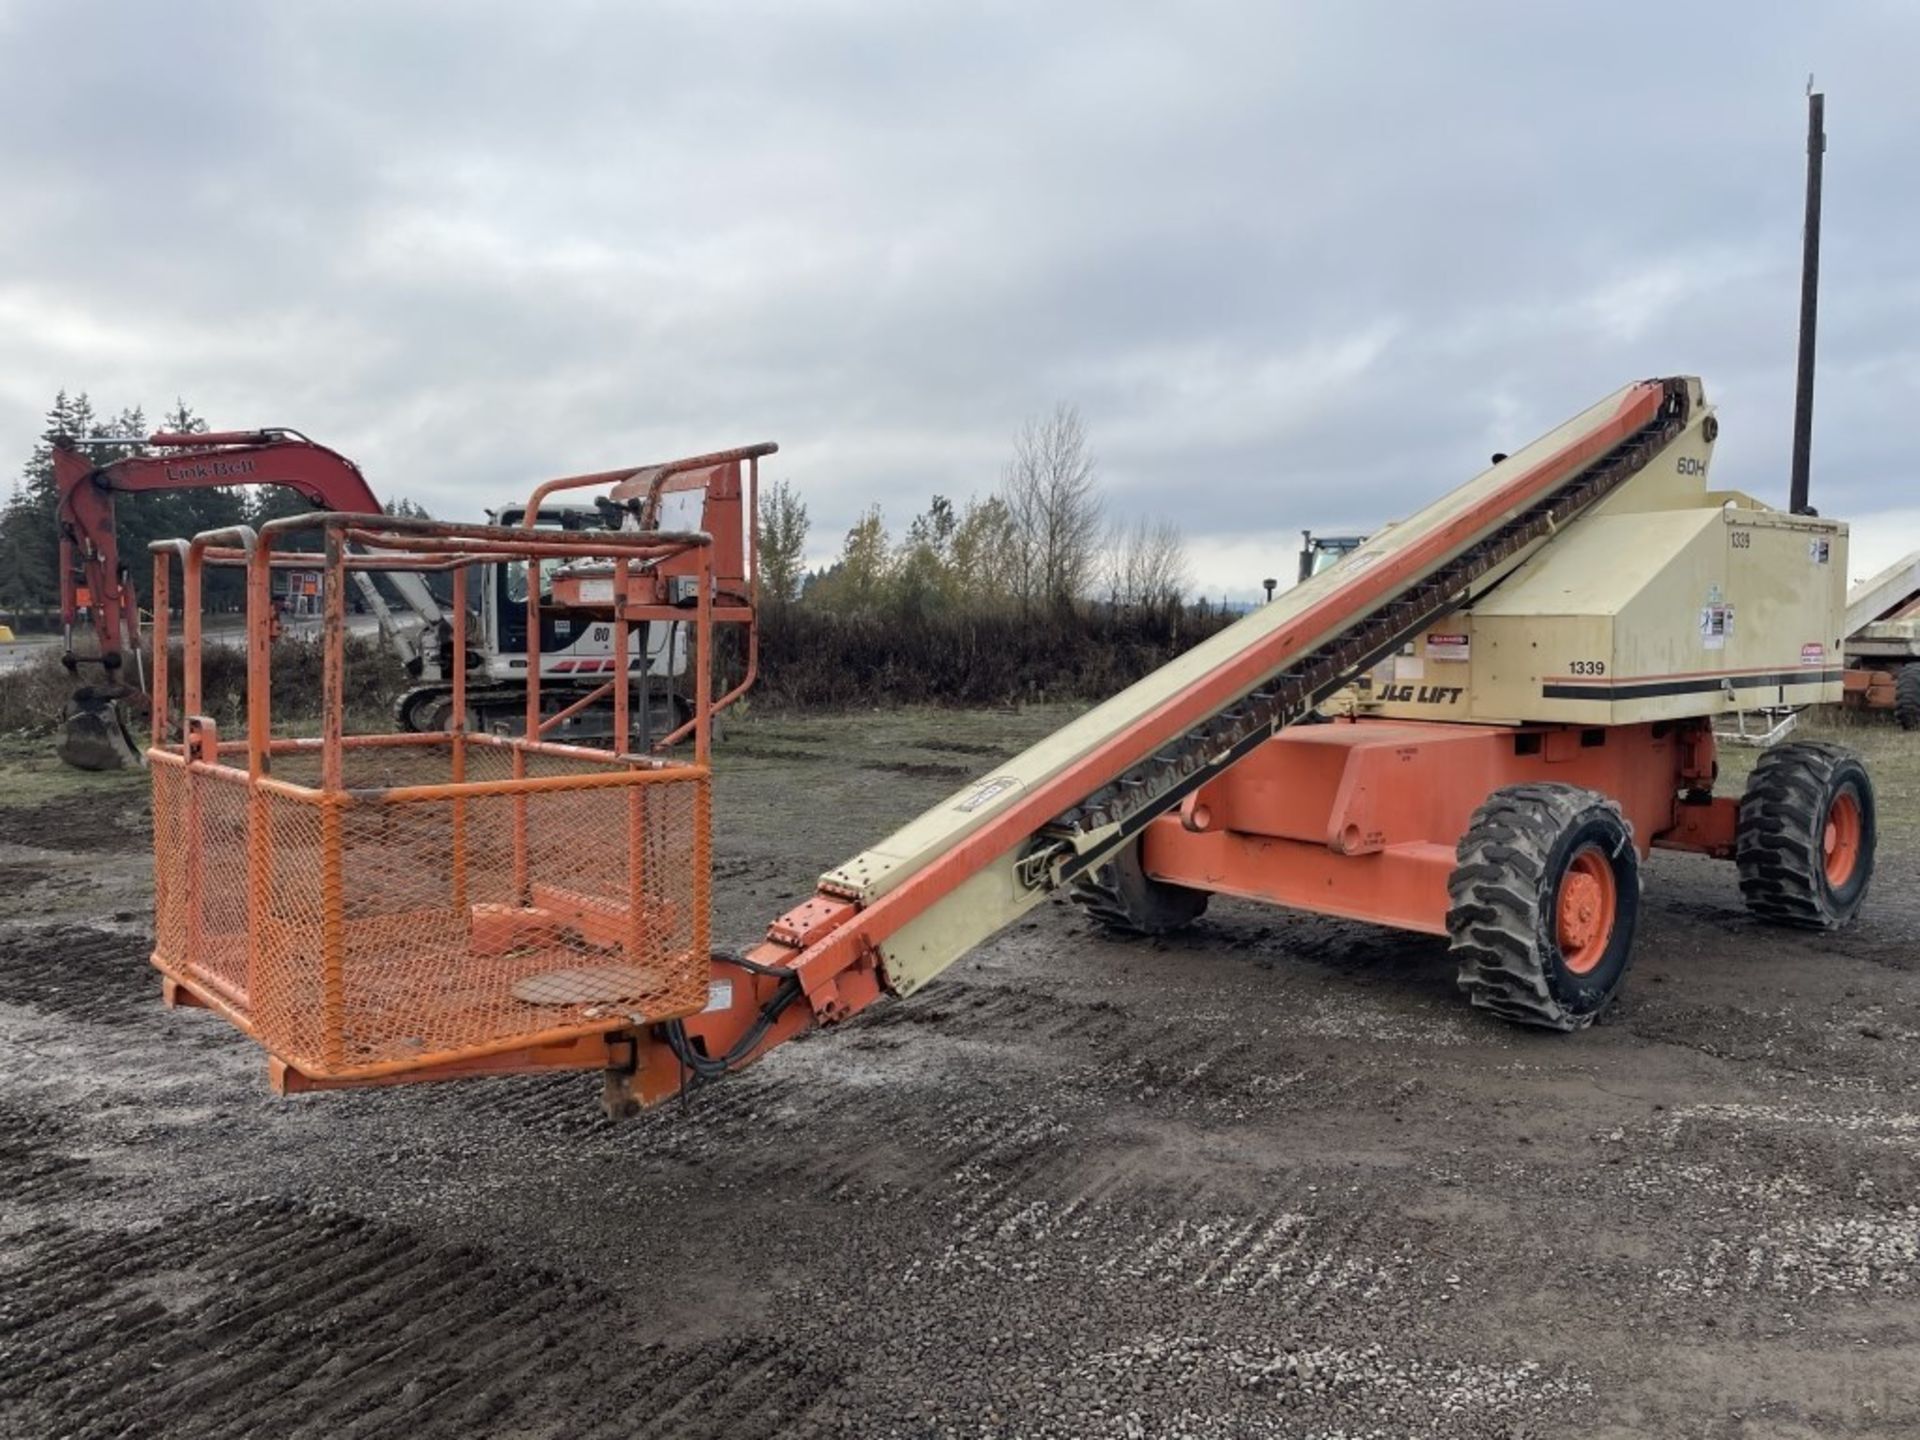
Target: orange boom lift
{"type": "Point", "coordinates": [1548, 645]}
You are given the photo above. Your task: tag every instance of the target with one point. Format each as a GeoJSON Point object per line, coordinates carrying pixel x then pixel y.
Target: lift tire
{"type": "Point", "coordinates": [1124, 898]}
{"type": "Point", "coordinates": [1543, 903]}
{"type": "Point", "coordinates": [1804, 841]}
{"type": "Point", "coordinates": [1906, 696]}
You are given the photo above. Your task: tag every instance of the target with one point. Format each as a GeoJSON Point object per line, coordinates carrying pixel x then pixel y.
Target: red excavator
{"type": "Point", "coordinates": [95, 585]}
{"type": "Point", "coordinates": [575, 659]}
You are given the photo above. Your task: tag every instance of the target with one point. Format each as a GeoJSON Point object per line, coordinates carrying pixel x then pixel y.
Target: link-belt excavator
{"type": "Point", "coordinates": [95, 593]}
{"type": "Point", "coordinates": [1549, 644]}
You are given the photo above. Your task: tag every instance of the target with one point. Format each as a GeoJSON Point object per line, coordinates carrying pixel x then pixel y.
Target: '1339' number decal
{"type": "Point", "coordinates": [1587, 667]}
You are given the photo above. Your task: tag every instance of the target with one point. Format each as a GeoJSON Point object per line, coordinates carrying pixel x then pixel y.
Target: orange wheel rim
{"type": "Point", "coordinates": [1841, 842]}
{"type": "Point", "coordinates": [1589, 901]}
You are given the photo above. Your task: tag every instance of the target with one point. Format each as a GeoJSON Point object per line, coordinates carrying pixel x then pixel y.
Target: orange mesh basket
{"type": "Point", "coordinates": [371, 905]}
{"type": "Point", "coordinates": [409, 920]}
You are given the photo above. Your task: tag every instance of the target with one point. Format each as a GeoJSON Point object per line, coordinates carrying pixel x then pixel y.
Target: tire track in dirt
{"type": "Point", "coordinates": [121, 823]}
{"type": "Point", "coordinates": [1294, 1254]}
{"type": "Point", "coordinates": [33, 1170]}
{"type": "Point", "coordinates": [271, 1317]}
{"type": "Point", "coordinates": [78, 972]}
{"type": "Point", "coordinates": [968, 1010]}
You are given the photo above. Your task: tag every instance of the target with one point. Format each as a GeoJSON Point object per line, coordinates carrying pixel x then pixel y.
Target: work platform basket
{"type": "Point", "coordinates": [370, 907]}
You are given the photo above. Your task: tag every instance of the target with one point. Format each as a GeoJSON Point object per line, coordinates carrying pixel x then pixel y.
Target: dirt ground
{"type": "Point", "coordinates": [1271, 1177]}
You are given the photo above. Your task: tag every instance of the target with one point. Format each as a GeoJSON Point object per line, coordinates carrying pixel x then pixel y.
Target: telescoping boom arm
{"type": "Point", "coordinates": [891, 918]}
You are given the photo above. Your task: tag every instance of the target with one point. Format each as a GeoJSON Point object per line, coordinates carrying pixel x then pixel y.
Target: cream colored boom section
{"type": "Point", "coordinates": [1144, 717]}
{"type": "Point", "coordinates": [1886, 592]}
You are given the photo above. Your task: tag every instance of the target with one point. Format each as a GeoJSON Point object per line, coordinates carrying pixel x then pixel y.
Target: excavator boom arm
{"type": "Point", "coordinates": [89, 548]}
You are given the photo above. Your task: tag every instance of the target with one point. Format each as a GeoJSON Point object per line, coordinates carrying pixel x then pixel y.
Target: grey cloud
{"type": "Point", "coordinates": [1299, 265]}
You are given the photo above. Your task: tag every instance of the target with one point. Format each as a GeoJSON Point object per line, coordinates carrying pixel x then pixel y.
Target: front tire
{"type": "Point", "coordinates": [1543, 903]}
{"type": "Point", "coordinates": [1804, 842]}
{"type": "Point", "coordinates": [1123, 897]}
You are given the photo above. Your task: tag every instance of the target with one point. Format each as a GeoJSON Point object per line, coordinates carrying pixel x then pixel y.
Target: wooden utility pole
{"type": "Point", "coordinates": [1809, 303]}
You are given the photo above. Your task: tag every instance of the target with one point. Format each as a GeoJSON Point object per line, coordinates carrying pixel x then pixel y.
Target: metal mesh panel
{"type": "Point", "coordinates": [402, 928]}
{"type": "Point", "coordinates": [200, 903]}
{"type": "Point", "coordinates": [170, 905]}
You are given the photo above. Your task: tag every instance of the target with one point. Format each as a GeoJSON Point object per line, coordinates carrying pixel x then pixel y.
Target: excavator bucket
{"type": "Point", "coordinates": [97, 732]}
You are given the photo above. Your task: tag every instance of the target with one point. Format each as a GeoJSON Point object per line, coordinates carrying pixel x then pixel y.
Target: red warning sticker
{"type": "Point", "coordinates": [1815, 654]}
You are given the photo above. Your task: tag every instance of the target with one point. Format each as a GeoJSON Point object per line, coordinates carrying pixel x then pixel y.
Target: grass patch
{"type": "Point", "coordinates": [33, 694]}
{"type": "Point", "coordinates": [35, 776]}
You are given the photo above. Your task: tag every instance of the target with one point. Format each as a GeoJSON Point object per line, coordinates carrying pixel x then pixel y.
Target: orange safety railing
{"type": "Point", "coordinates": [371, 905]}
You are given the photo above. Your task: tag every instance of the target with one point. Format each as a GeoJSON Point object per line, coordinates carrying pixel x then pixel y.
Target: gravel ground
{"type": "Point", "coordinates": [1270, 1177]}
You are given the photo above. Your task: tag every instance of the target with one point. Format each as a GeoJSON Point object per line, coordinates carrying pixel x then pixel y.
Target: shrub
{"type": "Point", "coordinates": [34, 693]}
{"type": "Point", "coordinates": [812, 657]}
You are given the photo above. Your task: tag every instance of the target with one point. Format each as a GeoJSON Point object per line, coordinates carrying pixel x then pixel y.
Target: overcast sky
{"type": "Point", "coordinates": [1298, 265]}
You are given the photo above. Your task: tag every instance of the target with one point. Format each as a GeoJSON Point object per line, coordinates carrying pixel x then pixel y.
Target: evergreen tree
{"type": "Point", "coordinates": [29, 531]}
{"type": "Point", "coordinates": [29, 538]}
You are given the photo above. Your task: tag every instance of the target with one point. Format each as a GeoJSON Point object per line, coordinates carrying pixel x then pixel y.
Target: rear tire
{"type": "Point", "coordinates": [1543, 904]}
{"type": "Point", "coordinates": [1124, 898]}
{"type": "Point", "coordinates": [1906, 696]}
{"type": "Point", "coordinates": [1804, 842]}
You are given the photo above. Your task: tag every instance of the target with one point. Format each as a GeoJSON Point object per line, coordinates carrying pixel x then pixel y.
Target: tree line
{"type": "Point", "coordinates": [1040, 542]}
{"type": "Point", "coordinates": [1027, 593]}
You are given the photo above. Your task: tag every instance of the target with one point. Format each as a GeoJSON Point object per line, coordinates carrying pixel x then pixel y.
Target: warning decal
{"type": "Point", "coordinates": [985, 791]}
{"type": "Point", "coordinates": [1716, 623]}
{"type": "Point", "coordinates": [1447, 647]}
{"type": "Point", "coordinates": [1815, 654]}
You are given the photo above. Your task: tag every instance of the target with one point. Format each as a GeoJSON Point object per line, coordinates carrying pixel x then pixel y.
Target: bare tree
{"type": "Point", "coordinates": [1054, 502]}
{"type": "Point", "coordinates": [1147, 565]}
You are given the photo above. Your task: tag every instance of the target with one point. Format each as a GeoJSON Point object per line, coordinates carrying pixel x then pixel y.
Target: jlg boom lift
{"type": "Point", "coordinates": [1550, 642]}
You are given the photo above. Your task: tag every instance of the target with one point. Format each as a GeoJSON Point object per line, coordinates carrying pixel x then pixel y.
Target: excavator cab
{"type": "Point", "coordinates": [1323, 552]}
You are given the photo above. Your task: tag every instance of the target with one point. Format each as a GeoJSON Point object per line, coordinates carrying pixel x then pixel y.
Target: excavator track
{"type": "Point", "coordinates": [419, 707]}
{"type": "Point", "coordinates": [1159, 783]}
